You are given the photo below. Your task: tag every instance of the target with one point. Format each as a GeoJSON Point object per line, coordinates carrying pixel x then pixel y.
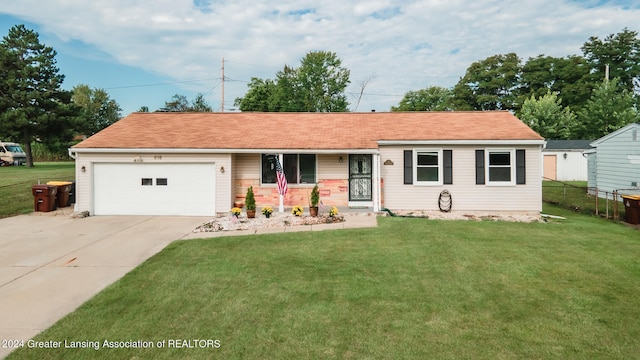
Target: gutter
{"type": "Point", "coordinates": [221, 151]}
{"type": "Point", "coordinates": [72, 153]}
{"type": "Point", "coordinates": [462, 142]}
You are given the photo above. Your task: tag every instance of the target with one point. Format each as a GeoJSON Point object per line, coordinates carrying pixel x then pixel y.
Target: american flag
{"type": "Point", "coordinates": [281, 179]}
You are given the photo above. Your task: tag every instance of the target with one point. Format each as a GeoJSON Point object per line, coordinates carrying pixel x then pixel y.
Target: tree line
{"type": "Point", "coordinates": [573, 97]}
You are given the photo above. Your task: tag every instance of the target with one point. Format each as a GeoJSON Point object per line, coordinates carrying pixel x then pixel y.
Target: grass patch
{"type": "Point", "coordinates": [411, 288]}
{"type": "Point", "coordinates": [16, 183]}
{"type": "Point", "coordinates": [574, 195]}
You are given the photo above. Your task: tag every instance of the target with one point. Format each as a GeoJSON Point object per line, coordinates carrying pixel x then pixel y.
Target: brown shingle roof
{"type": "Point", "coordinates": [250, 130]}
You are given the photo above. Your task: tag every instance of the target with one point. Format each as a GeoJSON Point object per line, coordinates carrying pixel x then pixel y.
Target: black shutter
{"type": "Point", "coordinates": [521, 167]}
{"type": "Point", "coordinates": [448, 166]}
{"type": "Point", "coordinates": [408, 166]}
{"type": "Point", "coordinates": [479, 167]}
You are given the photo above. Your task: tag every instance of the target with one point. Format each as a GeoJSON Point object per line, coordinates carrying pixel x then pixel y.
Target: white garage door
{"type": "Point", "coordinates": [154, 189]}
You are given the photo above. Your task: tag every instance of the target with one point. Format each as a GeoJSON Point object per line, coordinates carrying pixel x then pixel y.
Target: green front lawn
{"type": "Point", "coordinates": [16, 183]}
{"type": "Point", "coordinates": [409, 289]}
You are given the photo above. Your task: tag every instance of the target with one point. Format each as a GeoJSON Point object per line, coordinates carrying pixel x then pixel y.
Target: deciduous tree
{"type": "Point", "coordinates": [98, 109]}
{"type": "Point", "coordinates": [608, 109]}
{"type": "Point", "coordinates": [318, 85]}
{"type": "Point", "coordinates": [548, 117]}
{"type": "Point", "coordinates": [322, 81]}
{"type": "Point", "coordinates": [621, 52]}
{"type": "Point", "coordinates": [570, 77]}
{"type": "Point", "coordinates": [433, 98]}
{"type": "Point", "coordinates": [180, 103]}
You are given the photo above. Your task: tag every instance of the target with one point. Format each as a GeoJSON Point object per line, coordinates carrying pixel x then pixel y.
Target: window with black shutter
{"type": "Point", "coordinates": [479, 167]}
{"type": "Point", "coordinates": [521, 167]}
{"type": "Point", "coordinates": [447, 158]}
{"type": "Point", "coordinates": [408, 167]}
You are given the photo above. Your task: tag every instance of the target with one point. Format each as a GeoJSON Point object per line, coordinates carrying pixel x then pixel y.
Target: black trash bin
{"type": "Point", "coordinates": [631, 208]}
{"type": "Point", "coordinates": [44, 197]}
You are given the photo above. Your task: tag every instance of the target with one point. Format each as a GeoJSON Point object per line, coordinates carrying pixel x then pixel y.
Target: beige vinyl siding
{"type": "Point", "coordinates": [466, 195]}
{"type": "Point", "coordinates": [247, 166]}
{"type": "Point", "coordinates": [330, 167]}
{"type": "Point", "coordinates": [84, 180]}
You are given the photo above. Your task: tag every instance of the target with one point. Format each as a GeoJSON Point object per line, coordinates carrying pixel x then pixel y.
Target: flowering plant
{"type": "Point", "coordinates": [267, 210]}
{"type": "Point", "coordinates": [236, 211]}
{"type": "Point", "coordinates": [297, 210]}
{"type": "Point", "coordinates": [333, 211]}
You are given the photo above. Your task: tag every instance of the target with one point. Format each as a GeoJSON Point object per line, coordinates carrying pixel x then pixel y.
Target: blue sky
{"type": "Point", "coordinates": [142, 52]}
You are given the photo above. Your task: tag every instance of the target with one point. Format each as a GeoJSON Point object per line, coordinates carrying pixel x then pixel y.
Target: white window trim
{"type": "Point", "coordinates": [512, 162]}
{"type": "Point", "coordinates": [440, 180]}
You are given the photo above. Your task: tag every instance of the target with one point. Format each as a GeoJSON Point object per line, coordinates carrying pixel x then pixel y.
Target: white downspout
{"type": "Point", "coordinates": [376, 179]}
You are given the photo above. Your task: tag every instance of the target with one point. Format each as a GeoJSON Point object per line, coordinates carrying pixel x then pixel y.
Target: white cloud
{"type": "Point", "coordinates": [407, 44]}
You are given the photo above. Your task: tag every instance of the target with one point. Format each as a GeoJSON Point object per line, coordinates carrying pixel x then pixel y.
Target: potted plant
{"type": "Point", "coordinates": [250, 203]}
{"type": "Point", "coordinates": [315, 200]}
{"type": "Point", "coordinates": [235, 212]}
{"type": "Point", "coordinates": [267, 211]}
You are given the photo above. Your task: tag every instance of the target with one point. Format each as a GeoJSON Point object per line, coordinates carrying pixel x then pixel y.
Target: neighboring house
{"type": "Point", "coordinates": [201, 163]}
{"type": "Point", "coordinates": [564, 160]}
{"type": "Point", "coordinates": [614, 161]}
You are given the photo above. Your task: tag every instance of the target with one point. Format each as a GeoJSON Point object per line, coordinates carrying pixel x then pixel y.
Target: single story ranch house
{"type": "Point", "coordinates": [203, 163]}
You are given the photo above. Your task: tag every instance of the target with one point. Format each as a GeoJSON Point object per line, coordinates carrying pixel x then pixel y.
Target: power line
{"type": "Point", "coordinates": [160, 84]}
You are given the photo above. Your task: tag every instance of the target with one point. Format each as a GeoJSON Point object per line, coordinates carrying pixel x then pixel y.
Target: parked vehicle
{"type": "Point", "coordinates": [12, 154]}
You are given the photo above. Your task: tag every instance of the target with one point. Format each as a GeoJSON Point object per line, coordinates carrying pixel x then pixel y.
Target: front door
{"type": "Point", "coordinates": [360, 177]}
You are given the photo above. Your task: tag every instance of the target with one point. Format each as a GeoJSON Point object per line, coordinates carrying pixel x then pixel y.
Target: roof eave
{"type": "Point", "coordinates": [462, 142]}
{"type": "Point", "coordinates": [218, 151]}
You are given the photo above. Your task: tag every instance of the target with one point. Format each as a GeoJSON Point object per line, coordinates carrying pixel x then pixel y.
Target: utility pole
{"type": "Point", "coordinates": [606, 73]}
{"type": "Point", "coordinates": [222, 79]}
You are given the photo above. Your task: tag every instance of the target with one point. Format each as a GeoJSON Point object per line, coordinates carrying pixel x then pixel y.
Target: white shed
{"type": "Point", "coordinates": [564, 160]}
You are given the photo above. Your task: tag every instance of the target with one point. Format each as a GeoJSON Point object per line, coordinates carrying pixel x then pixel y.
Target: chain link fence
{"type": "Point", "coordinates": [577, 196]}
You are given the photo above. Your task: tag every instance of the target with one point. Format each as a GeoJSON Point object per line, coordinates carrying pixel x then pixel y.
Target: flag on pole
{"type": "Point", "coordinates": [280, 178]}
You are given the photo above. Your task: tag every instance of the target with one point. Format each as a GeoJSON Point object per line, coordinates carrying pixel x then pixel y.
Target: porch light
{"type": "Point", "coordinates": [340, 159]}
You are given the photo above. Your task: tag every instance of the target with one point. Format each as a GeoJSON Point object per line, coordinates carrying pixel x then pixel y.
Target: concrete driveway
{"type": "Point", "coordinates": [50, 265]}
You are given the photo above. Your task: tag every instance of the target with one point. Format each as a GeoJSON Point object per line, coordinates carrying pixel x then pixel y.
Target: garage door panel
{"type": "Point", "coordinates": [189, 189]}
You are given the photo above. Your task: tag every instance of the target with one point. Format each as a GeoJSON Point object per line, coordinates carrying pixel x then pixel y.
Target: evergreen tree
{"type": "Point", "coordinates": [33, 106]}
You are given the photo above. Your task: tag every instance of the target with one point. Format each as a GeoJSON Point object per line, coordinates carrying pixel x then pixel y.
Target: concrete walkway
{"type": "Point", "coordinates": [50, 265]}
